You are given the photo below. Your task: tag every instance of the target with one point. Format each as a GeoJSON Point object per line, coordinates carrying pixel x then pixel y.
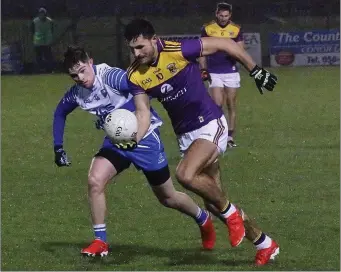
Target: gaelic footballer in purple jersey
{"type": "Point", "coordinates": [174, 79]}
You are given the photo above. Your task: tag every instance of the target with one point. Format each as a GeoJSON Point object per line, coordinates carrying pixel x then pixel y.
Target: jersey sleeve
{"type": "Point", "coordinates": [191, 49]}
{"type": "Point", "coordinates": [117, 79]}
{"type": "Point", "coordinates": [239, 37]}
{"type": "Point", "coordinates": [134, 88]}
{"type": "Point", "coordinates": [65, 106]}
{"type": "Point", "coordinates": [203, 32]}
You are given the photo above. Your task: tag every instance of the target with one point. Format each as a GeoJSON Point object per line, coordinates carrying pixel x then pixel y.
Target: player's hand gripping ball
{"type": "Point", "coordinates": [121, 127]}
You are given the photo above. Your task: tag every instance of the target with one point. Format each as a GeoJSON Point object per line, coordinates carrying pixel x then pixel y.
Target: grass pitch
{"type": "Point", "coordinates": [284, 172]}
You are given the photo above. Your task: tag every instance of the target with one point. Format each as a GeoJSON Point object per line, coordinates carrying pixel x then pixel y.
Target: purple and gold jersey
{"type": "Point", "coordinates": [220, 62]}
{"type": "Point", "coordinates": [174, 79]}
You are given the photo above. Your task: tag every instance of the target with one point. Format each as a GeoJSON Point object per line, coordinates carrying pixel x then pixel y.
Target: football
{"type": "Point", "coordinates": [120, 126]}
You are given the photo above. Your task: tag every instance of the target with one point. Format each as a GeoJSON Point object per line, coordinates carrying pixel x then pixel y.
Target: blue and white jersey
{"type": "Point", "coordinates": [109, 92]}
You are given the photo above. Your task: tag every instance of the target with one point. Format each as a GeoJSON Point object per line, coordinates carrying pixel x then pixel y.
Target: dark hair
{"type": "Point", "coordinates": [139, 27]}
{"type": "Point", "coordinates": [42, 10]}
{"type": "Point", "coordinates": [224, 7]}
{"type": "Point", "coordinates": [73, 55]}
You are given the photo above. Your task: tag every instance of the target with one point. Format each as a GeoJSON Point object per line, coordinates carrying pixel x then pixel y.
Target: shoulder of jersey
{"type": "Point", "coordinates": [133, 68]}
{"type": "Point", "coordinates": [75, 89]}
{"type": "Point", "coordinates": [209, 23]}
{"type": "Point", "coordinates": [234, 24]}
{"type": "Point", "coordinates": [102, 68]}
{"type": "Point", "coordinates": [170, 46]}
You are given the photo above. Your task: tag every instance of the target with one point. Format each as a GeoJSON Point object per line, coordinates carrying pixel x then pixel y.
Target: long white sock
{"type": "Point", "coordinates": [263, 242]}
{"type": "Point", "coordinates": [230, 209]}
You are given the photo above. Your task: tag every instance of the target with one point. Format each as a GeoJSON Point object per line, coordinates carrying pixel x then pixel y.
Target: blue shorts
{"type": "Point", "coordinates": [149, 155]}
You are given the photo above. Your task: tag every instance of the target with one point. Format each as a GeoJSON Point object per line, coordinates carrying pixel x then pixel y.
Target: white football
{"type": "Point", "coordinates": [120, 126]}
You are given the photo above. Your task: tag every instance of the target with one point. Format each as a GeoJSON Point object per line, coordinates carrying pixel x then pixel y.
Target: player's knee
{"type": "Point", "coordinates": [168, 202]}
{"type": "Point", "coordinates": [184, 177]}
{"type": "Point", "coordinates": [171, 200]}
{"type": "Point", "coordinates": [220, 101]}
{"type": "Point", "coordinates": [218, 96]}
{"type": "Point", "coordinates": [95, 183]}
{"type": "Point", "coordinates": [231, 105]}
{"type": "Point", "coordinates": [231, 109]}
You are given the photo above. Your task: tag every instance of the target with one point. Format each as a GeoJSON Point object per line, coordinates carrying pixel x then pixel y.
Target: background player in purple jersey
{"type": "Point", "coordinates": [100, 89]}
{"type": "Point", "coordinates": [169, 72]}
{"type": "Point", "coordinates": [219, 68]}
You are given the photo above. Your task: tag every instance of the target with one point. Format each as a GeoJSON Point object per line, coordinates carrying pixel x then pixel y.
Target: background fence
{"type": "Point", "coordinates": [98, 25]}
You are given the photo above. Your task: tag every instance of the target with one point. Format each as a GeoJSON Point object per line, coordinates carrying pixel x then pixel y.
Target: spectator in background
{"type": "Point", "coordinates": [43, 29]}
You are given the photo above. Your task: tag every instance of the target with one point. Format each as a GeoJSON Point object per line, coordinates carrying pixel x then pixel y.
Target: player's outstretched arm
{"type": "Point", "coordinates": [205, 76]}
{"type": "Point", "coordinates": [203, 61]}
{"type": "Point", "coordinates": [263, 78]}
{"type": "Point", "coordinates": [142, 112]}
{"type": "Point", "coordinates": [64, 107]}
{"type": "Point", "coordinates": [211, 45]}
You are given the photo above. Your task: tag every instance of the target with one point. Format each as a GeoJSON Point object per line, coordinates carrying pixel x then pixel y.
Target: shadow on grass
{"type": "Point", "coordinates": [125, 254]}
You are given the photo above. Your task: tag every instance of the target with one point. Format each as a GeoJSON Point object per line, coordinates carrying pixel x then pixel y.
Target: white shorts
{"type": "Point", "coordinates": [231, 80]}
{"type": "Point", "coordinates": [215, 131]}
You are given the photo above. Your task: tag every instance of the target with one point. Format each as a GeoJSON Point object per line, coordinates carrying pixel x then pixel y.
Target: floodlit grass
{"type": "Point", "coordinates": [284, 172]}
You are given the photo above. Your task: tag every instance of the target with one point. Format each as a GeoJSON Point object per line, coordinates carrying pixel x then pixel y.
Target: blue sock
{"type": "Point", "coordinates": [201, 217]}
{"type": "Point", "coordinates": [100, 232]}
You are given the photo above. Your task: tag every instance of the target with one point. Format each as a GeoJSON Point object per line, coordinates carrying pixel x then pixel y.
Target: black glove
{"type": "Point", "coordinates": [100, 122]}
{"type": "Point", "coordinates": [205, 76]}
{"type": "Point", "coordinates": [127, 146]}
{"type": "Point", "coordinates": [264, 79]}
{"type": "Point", "coordinates": [60, 157]}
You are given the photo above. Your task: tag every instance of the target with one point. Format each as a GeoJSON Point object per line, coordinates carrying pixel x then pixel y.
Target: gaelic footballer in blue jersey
{"type": "Point", "coordinates": [100, 89]}
{"type": "Point", "coordinates": [169, 72]}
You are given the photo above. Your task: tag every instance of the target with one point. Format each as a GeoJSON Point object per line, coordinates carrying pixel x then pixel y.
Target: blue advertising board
{"type": "Point", "coordinates": [305, 48]}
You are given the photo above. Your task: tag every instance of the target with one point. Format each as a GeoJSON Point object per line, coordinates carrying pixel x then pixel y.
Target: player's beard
{"type": "Point", "coordinates": [222, 24]}
{"type": "Point", "coordinates": [154, 55]}
{"type": "Point", "coordinates": [144, 60]}
{"type": "Point", "coordinates": [148, 59]}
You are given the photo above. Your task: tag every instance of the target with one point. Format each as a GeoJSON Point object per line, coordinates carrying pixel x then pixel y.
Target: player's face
{"type": "Point", "coordinates": [83, 73]}
{"type": "Point", "coordinates": [42, 16]}
{"type": "Point", "coordinates": [223, 17]}
{"type": "Point", "coordinates": [143, 49]}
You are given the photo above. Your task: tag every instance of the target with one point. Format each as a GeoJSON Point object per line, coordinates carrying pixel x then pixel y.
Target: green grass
{"type": "Point", "coordinates": [285, 172]}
